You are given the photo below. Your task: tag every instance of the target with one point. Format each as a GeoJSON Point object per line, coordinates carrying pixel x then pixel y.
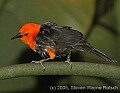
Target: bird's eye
{"type": "Point", "coordinates": [26, 34]}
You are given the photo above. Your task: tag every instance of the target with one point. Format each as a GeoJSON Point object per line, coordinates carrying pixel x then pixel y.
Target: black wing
{"type": "Point", "coordinates": [59, 38]}
{"type": "Point", "coordinates": [60, 35]}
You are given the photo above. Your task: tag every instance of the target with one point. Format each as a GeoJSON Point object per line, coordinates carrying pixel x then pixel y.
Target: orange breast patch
{"type": "Point", "coordinates": [51, 53]}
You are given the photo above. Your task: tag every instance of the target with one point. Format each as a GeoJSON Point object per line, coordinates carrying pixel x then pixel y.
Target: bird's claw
{"type": "Point", "coordinates": [69, 63]}
{"type": "Point", "coordinates": [43, 67]}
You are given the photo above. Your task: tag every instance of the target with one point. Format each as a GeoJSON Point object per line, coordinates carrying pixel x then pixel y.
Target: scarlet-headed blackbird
{"type": "Point", "coordinates": [51, 40]}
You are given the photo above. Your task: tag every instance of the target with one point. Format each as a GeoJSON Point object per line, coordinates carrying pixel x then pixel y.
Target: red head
{"type": "Point", "coordinates": [27, 34]}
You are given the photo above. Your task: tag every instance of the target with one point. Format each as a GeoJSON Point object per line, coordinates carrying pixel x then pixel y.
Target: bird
{"type": "Point", "coordinates": [51, 40]}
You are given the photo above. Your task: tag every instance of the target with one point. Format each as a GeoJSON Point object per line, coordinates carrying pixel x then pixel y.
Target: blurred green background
{"type": "Point", "coordinates": [98, 20]}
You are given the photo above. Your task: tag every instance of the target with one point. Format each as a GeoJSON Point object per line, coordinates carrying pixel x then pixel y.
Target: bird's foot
{"type": "Point", "coordinates": [69, 63]}
{"type": "Point", "coordinates": [41, 62]}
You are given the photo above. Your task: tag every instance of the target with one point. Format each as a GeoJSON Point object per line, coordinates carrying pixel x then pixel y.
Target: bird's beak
{"type": "Point", "coordinates": [17, 36]}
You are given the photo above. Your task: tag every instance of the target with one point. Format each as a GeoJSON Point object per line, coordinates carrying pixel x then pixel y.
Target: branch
{"type": "Point", "coordinates": [61, 68]}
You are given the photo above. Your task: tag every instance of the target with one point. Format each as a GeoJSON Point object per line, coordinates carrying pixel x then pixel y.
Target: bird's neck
{"type": "Point", "coordinates": [32, 44]}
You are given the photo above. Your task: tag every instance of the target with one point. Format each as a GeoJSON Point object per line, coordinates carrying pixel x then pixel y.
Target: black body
{"type": "Point", "coordinates": [63, 39]}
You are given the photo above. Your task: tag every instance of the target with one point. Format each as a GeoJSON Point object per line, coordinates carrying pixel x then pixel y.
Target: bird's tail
{"type": "Point", "coordinates": [102, 55]}
{"type": "Point", "coordinates": [87, 47]}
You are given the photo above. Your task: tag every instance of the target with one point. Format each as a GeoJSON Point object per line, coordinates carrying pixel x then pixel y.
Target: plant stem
{"type": "Point", "coordinates": [61, 68]}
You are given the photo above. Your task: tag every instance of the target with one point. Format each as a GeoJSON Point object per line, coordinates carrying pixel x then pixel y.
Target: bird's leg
{"type": "Point", "coordinates": [41, 62]}
{"type": "Point", "coordinates": [68, 60]}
